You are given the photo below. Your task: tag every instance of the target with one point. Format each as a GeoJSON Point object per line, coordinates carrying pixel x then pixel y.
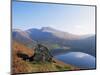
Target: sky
{"type": "Point", "coordinates": [74, 19]}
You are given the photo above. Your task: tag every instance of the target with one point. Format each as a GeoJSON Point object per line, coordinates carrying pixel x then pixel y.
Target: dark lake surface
{"type": "Point", "coordinates": [78, 59]}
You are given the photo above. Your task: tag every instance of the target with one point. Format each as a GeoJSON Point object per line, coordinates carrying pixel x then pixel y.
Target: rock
{"type": "Point", "coordinates": [42, 54]}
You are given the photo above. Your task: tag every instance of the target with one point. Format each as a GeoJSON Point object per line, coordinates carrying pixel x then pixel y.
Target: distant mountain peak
{"type": "Point", "coordinates": [48, 29]}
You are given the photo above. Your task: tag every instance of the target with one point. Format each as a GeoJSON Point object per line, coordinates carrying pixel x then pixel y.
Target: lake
{"type": "Point", "coordinates": [78, 59]}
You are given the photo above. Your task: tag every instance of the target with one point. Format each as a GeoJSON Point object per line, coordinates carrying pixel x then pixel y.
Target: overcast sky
{"type": "Point", "coordinates": [69, 18]}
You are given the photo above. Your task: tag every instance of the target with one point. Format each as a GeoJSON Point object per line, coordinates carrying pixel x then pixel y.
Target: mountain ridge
{"type": "Point", "coordinates": [54, 38]}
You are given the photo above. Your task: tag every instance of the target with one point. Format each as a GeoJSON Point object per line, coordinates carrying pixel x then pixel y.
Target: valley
{"type": "Point", "coordinates": [58, 43]}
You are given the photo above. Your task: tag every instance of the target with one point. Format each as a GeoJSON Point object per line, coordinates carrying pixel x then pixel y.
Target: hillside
{"type": "Point", "coordinates": [47, 32]}
{"type": "Point", "coordinates": [53, 39]}
{"type": "Point", "coordinates": [21, 66]}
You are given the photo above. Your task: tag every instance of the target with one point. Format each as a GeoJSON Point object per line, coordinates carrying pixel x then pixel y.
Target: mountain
{"type": "Point", "coordinates": [44, 33]}
{"type": "Point", "coordinates": [22, 37]}
{"type": "Point", "coordinates": [53, 38]}
{"type": "Point", "coordinates": [56, 41]}
{"type": "Point", "coordinates": [60, 34]}
{"type": "Point", "coordinates": [47, 32]}
{"type": "Point", "coordinates": [86, 36]}
{"type": "Point", "coordinates": [50, 36]}
{"type": "Point", "coordinates": [86, 45]}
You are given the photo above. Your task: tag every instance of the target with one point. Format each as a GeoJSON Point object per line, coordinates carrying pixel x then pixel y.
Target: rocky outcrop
{"type": "Point", "coordinates": [42, 54]}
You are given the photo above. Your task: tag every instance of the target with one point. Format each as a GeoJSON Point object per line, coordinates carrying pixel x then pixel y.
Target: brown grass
{"type": "Point", "coordinates": [21, 66]}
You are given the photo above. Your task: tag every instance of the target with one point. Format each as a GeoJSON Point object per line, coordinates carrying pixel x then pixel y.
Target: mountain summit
{"type": "Point", "coordinates": [55, 38]}
{"type": "Point", "coordinates": [60, 34]}
{"type": "Point", "coordinates": [48, 29]}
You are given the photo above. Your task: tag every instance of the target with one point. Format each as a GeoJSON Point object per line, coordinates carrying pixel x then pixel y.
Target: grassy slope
{"type": "Point", "coordinates": [21, 66]}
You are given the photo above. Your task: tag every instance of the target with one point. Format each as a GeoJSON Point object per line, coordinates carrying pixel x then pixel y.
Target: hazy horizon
{"type": "Point", "coordinates": [56, 29]}
{"type": "Point", "coordinates": [79, 20]}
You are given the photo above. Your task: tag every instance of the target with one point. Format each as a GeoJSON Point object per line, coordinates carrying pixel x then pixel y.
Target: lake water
{"type": "Point", "coordinates": [78, 59]}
